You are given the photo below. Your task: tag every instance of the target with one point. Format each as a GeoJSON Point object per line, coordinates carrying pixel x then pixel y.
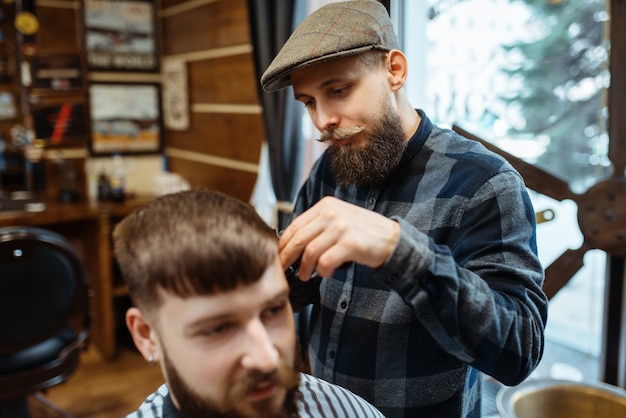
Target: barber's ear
{"type": "Point", "coordinates": [397, 68]}
{"type": "Point", "coordinates": [143, 334]}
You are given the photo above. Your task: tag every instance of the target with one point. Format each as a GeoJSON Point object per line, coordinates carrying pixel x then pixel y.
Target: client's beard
{"type": "Point", "coordinates": [372, 162]}
{"type": "Point", "coordinates": [192, 405]}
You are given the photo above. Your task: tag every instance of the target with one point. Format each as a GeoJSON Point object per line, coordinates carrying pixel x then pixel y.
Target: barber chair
{"type": "Point", "coordinates": [45, 316]}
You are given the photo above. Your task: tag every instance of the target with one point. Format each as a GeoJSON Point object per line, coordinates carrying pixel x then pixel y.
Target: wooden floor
{"type": "Point", "coordinates": [102, 389]}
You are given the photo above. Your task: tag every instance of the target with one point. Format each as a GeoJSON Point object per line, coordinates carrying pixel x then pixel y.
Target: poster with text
{"type": "Point", "coordinates": [120, 35]}
{"type": "Point", "coordinates": [125, 118]}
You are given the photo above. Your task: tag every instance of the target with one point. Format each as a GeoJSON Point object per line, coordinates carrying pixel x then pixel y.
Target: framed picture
{"type": "Point", "coordinates": [61, 124]}
{"type": "Point", "coordinates": [125, 118]}
{"type": "Point", "coordinates": [175, 97]}
{"type": "Point", "coordinates": [120, 35]}
{"type": "Point", "coordinates": [57, 73]}
{"type": "Point", "coordinates": [8, 106]}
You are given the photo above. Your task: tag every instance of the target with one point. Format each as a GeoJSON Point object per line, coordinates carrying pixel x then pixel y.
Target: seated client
{"type": "Point", "coordinates": [211, 306]}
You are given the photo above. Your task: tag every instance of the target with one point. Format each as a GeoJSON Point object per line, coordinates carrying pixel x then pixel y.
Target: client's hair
{"type": "Point", "coordinates": [189, 243]}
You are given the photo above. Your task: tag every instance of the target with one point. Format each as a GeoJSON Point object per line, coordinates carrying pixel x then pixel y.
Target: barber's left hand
{"type": "Point", "coordinates": [333, 232]}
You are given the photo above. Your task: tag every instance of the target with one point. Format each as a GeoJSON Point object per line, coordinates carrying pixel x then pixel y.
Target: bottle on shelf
{"type": "Point", "coordinates": [117, 179]}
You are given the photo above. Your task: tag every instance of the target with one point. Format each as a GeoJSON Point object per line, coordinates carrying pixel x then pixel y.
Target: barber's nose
{"type": "Point", "coordinates": [326, 118]}
{"type": "Point", "coordinates": [260, 352]}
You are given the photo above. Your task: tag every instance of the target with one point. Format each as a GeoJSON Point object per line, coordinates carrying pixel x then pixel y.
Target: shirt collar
{"type": "Point", "coordinates": [418, 139]}
{"type": "Point", "coordinates": [169, 409]}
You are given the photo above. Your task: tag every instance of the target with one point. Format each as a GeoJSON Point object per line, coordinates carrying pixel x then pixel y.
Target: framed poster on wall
{"type": "Point", "coordinates": [8, 106]}
{"type": "Point", "coordinates": [57, 73]}
{"type": "Point", "coordinates": [125, 118]}
{"type": "Point", "coordinates": [175, 96]}
{"type": "Point", "coordinates": [60, 124]}
{"type": "Point", "coordinates": [120, 35]}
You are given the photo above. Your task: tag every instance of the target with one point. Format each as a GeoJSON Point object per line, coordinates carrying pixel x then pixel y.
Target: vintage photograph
{"type": "Point", "coordinates": [125, 118]}
{"type": "Point", "coordinates": [120, 35]}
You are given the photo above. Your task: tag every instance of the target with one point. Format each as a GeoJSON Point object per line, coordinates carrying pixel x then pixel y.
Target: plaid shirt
{"type": "Point", "coordinates": [317, 399]}
{"type": "Point", "coordinates": [460, 293]}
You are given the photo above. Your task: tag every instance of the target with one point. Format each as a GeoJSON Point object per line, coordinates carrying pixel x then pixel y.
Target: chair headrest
{"type": "Point", "coordinates": [43, 284]}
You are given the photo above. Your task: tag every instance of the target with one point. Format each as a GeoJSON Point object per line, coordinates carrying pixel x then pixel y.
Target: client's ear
{"type": "Point", "coordinates": [142, 333]}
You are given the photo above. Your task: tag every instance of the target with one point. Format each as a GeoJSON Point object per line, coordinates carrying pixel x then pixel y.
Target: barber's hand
{"type": "Point", "coordinates": [334, 232]}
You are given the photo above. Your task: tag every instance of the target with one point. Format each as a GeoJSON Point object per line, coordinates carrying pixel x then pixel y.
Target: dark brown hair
{"type": "Point", "coordinates": [189, 243]}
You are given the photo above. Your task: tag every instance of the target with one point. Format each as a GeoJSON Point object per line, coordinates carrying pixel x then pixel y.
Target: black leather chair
{"type": "Point", "coordinates": [45, 315]}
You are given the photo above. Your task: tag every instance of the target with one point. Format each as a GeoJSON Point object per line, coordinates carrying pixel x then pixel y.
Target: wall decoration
{"type": "Point", "coordinates": [8, 106]}
{"type": "Point", "coordinates": [120, 35]}
{"type": "Point", "coordinates": [125, 118]}
{"type": "Point", "coordinates": [175, 96]}
{"type": "Point", "coordinates": [27, 23]}
{"type": "Point", "coordinates": [60, 124]}
{"type": "Point", "coordinates": [57, 73]}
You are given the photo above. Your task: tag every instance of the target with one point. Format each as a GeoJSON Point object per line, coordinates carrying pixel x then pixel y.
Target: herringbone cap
{"type": "Point", "coordinates": [333, 31]}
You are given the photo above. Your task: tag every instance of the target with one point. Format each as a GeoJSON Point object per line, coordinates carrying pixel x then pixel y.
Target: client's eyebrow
{"type": "Point", "coordinates": [280, 297]}
{"type": "Point", "coordinates": [283, 296]}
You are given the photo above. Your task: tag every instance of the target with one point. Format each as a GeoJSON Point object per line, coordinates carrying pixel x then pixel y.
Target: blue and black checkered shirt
{"type": "Point", "coordinates": [461, 293]}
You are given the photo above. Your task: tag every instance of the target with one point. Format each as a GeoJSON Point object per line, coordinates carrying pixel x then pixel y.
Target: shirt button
{"type": "Point", "coordinates": [331, 354]}
{"type": "Point", "coordinates": [425, 316]}
{"type": "Point", "coordinates": [344, 304]}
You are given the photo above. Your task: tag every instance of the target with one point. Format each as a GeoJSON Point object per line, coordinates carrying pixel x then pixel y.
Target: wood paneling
{"type": "Point", "coordinates": [214, 39]}
{"type": "Point", "coordinates": [9, 75]}
{"type": "Point", "coordinates": [59, 32]}
{"type": "Point", "coordinates": [238, 137]}
{"type": "Point", "coordinates": [165, 4]}
{"type": "Point", "coordinates": [223, 80]}
{"type": "Point", "coordinates": [212, 25]}
{"type": "Point", "coordinates": [236, 183]}
{"type": "Point", "coordinates": [220, 151]}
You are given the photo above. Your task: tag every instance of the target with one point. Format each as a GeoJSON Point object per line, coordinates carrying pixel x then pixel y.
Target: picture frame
{"type": "Point", "coordinates": [57, 73]}
{"type": "Point", "coordinates": [61, 124]}
{"type": "Point", "coordinates": [125, 118]}
{"type": "Point", "coordinates": [8, 106]}
{"type": "Point", "coordinates": [121, 35]}
{"type": "Point", "coordinates": [175, 94]}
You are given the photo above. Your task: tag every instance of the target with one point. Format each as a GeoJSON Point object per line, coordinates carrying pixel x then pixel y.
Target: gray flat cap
{"type": "Point", "coordinates": [333, 31]}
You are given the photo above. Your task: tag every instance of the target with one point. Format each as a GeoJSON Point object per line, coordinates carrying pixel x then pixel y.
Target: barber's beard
{"type": "Point", "coordinates": [372, 160]}
{"type": "Point", "coordinates": [193, 405]}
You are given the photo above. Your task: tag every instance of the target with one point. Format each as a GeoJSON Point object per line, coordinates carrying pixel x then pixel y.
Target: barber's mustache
{"type": "Point", "coordinates": [340, 133]}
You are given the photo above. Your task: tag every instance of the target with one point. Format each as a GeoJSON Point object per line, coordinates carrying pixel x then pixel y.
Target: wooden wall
{"type": "Point", "coordinates": [221, 148]}
{"type": "Point", "coordinates": [11, 176]}
{"type": "Point", "coordinates": [58, 34]}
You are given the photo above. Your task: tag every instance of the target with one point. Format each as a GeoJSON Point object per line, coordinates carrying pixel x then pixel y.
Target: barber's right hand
{"type": "Point", "coordinates": [334, 232]}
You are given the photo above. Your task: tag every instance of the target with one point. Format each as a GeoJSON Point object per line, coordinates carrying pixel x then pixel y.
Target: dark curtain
{"type": "Point", "coordinates": [271, 23]}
